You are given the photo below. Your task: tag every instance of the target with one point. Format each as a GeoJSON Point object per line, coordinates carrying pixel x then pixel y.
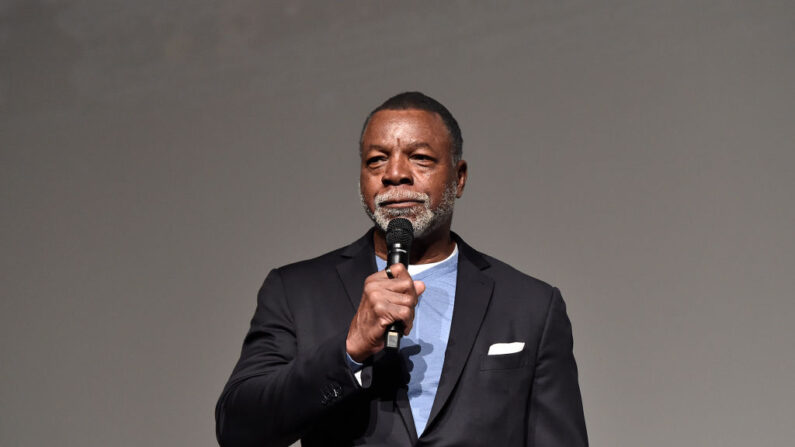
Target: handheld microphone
{"type": "Point", "coordinates": [399, 235]}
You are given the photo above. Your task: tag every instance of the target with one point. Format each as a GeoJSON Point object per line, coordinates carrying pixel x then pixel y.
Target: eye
{"type": "Point", "coordinates": [423, 159]}
{"type": "Point", "coordinates": [375, 161]}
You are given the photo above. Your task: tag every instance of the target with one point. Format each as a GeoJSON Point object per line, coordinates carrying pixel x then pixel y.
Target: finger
{"type": "Point", "coordinates": [419, 287]}
{"type": "Point", "coordinates": [400, 299]}
{"type": "Point", "coordinates": [391, 272]}
{"type": "Point", "coordinates": [399, 271]}
{"type": "Point", "coordinates": [377, 277]}
{"type": "Point", "coordinates": [406, 315]}
{"type": "Point", "coordinates": [390, 313]}
{"type": "Point", "coordinates": [404, 296]}
{"type": "Point", "coordinates": [400, 285]}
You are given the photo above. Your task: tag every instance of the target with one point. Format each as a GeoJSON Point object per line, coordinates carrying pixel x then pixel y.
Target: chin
{"type": "Point", "coordinates": [423, 222]}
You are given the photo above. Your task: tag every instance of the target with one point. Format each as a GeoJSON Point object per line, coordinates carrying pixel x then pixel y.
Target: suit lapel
{"type": "Point", "coordinates": [404, 408]}
{"type": "Point", "coordinates": [359, 263]}
{"type": "Point", "coordinates": [472, 297]}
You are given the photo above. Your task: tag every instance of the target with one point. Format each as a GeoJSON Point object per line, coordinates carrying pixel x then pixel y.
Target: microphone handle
{"type": "Point", "coordinates": [396, 254]}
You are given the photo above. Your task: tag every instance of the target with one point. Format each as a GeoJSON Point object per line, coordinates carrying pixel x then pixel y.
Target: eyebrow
{"type": "Point", "coordinates": [410, 146]}
{"type": "Point", "coordinates": [416, 145]}
{"type": "Point", "coordinates": [375, 147]}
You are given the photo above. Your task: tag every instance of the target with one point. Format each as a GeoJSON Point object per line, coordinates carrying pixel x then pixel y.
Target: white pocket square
{"type": "Point", "coordinates": [506, 348]}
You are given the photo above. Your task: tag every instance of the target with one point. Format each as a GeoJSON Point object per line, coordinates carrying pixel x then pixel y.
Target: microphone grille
{"type": "Point", "coordinates": [399, 231]}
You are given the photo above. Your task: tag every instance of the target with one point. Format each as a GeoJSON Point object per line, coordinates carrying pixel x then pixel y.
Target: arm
{"type": "Point", "coordinates": [276, 394]}
{"type": "Point", "coordinates": [556, 407]}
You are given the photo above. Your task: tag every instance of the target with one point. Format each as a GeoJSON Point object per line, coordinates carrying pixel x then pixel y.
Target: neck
{"type": "Point", "coordinates": [433, 247]}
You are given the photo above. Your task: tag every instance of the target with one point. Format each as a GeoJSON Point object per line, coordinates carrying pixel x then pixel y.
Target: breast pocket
{"type": "Point", "coordinates": [503, 361]}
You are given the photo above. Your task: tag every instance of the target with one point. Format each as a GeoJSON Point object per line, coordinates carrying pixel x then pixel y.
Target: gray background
{"type": "Point", "coordinates": [158, 158]}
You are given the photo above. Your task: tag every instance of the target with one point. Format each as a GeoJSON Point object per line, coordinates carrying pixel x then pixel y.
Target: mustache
{"type": "Point", "coordinates": [400, 195]}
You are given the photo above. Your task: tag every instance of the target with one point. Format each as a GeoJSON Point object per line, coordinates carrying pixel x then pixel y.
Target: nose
{"type": "Point", "coordinates": [397, 172]}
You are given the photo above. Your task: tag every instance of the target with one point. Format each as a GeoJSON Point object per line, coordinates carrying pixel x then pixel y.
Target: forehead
{"type": "Point", "coordinates": [399, 128]}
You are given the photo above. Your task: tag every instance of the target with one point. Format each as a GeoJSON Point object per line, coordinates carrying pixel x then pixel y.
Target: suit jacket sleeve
{"type": "Point", "coordinates": [276, 393]}
{"type": "Point", "coordinates": [556, 407]}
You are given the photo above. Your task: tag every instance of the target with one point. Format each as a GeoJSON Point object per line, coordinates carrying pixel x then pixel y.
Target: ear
{"type": "Point", "coordinates": [461, 174]}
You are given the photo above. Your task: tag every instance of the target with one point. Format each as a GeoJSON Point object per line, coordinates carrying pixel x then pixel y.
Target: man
{"type": "Point", "coordinates": [486, 357]}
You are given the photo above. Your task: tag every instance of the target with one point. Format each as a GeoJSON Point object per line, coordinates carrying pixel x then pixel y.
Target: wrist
{"type": "Point", "coordinates": [357, 355]}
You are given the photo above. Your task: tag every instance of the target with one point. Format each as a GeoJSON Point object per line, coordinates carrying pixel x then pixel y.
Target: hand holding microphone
{"type": "Point", "coordinates": [386, 311]}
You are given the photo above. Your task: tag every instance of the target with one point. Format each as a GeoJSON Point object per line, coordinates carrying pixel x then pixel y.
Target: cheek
{"type": "Point", "coordinates": [367, 188]}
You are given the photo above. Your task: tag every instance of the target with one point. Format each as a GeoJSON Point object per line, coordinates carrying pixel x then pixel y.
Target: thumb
{"type": "Point", "coordinates": [419, 286]}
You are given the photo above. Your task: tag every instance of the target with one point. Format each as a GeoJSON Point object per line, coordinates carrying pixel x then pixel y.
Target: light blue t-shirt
{"type": "Point", "coordinates": [423, 349]}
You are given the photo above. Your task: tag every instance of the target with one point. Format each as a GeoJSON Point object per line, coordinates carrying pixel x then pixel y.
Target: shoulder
{"type": "Point", "coordinates": [313, 266]}
{"type": "Point", "coordinates": [517, 299]}
{"type": "Point", "coordinates": [507, 279]}
{"type": "Point", "coordinates": [326, 263]}
{"type": "Point", "coordinates": [505, 275]}
{"type": "Point", "coordinates": [504, 271]}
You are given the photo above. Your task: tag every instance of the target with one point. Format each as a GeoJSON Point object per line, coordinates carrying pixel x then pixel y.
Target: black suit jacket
{"type": "Point", "coordinates": [293, 380]}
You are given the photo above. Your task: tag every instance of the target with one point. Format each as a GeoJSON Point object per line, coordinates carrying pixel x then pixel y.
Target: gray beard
{"type": "Point", "coordinates": [423, 218]}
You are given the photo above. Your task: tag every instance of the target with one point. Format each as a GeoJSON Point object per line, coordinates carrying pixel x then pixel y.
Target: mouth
{"type": "Point", "coordinates": [405, 203]}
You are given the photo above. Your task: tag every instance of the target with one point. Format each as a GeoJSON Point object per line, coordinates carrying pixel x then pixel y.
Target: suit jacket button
{"type": "Point", "coordinates": [336, 390]}
{"type": "Point", "coordinates": [330, 392]}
